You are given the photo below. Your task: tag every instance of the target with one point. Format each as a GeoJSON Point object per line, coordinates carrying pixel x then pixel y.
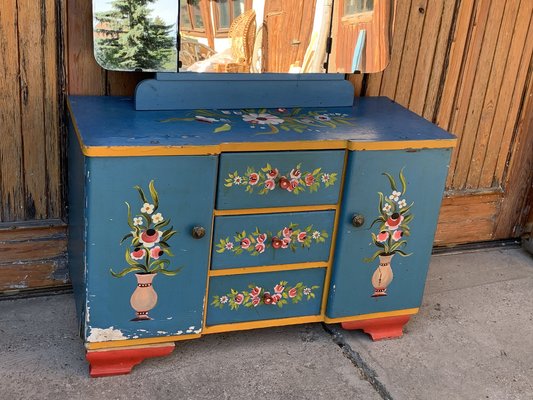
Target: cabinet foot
{"type": "Point", "coordinates": [120, 361]}
{"type": "Point", "coordinates": [379, 328]}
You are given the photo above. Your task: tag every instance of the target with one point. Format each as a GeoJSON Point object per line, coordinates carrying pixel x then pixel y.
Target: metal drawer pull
{"type": "Point", "coordinates": [358, 220]}
{"type": "Point", "coordinates": [198, 232]}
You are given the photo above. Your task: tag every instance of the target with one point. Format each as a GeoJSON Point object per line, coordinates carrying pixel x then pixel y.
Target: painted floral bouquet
{"type": "Point", "coordinates": [393, 221]}
{"type": "Point", "coordinates": [149, 238]}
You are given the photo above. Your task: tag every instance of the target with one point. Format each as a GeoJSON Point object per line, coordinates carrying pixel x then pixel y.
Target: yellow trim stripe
{"type": "Point", "coordinates": [408, 311]}
{"type": "Point", "coordinates": [241, 326]}
{"type": "Point", "coordinates": [403, 145]}
{"type": "Point", "coordinates": [266, 268]}
{"type": "Point", "coordinates": [139, 346]}
{"type": "Point", "coordinates": [137, 342]}
{"type": "Point", "coordinates": [272, 210]}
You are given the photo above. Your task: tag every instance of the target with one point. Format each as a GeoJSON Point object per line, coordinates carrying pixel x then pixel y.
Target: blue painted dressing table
{"type": "Point", "coordinates": [205, 206]}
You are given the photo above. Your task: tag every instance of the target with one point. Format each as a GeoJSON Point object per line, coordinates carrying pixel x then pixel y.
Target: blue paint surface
{"type": "Point", "coordinates": [222, 285]}
{"type": "Point", "coordinates": [227, 227]}
{"type": "Point", "coordinates": [111, 183]}
{"type": "Point", "coordinates": [113, 121]}
{"type": "Point", "coordinates": [351, 287]}
{"type": "Point", "coordinates": [236, 196]}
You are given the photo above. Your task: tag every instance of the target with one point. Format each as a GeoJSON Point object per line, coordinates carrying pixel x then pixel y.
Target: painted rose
{"type": "Point", "coordinates": [138, 254]}
{"type": "Point", "coordinates": [285, 242]}
{"type": "Point", "coordinates": [229, 246]}
{"type": "Point", "coordinates": [322, 117]}
{"type": "Point", "coordinates": [261, 238]}
{"type": "Point", "coordinates": [245, 243]}
{"type": "Point", "coordinates": [293, 292]}
{"type": "Point", "coordinates": [394, 221]}
{"type": "Point", "coordinates": [293, 184]}
{"type": "Point", "coordinates": [296, 173]}
{"type": "Point", "coordinates": [260, 247]}
{"type": "Point", "coordinates": [156, 252]}
{"type": "Point", "coordinates": [239, 298]}
{"type": "Point", "coordinates": [256, 301]}
{"type": "Point", "coordinates": [273, 173]}
{"type": "Point", "coordinates": [150, 237]}
{"type": "Point", "coordinates": [287, 232]}
{"type": "Point", "coordinates": [270, 184]}
{"type": "Point", "coordinates": [253, 178]}
{"type": "Point", "coordinates": [279, 288]}
{"type": "Point", "coordinates": [255, 291]}
{"type": "Point", "coordinates": [137, 221]}
{"type": "Point", "coordinates": [284, 183]}
{"type": "Point", "coordinates": [267, 298]}
{"type": "Point", "coordinates": [147, 208]}
{"type": "Point", "coordinates": [309, 179]}
{"type": "Point", "coordinates": [275, 298]}
{"type": "Point", "coordinates": [397, 235]}
{"type": "Point", "coordinates": [276, 242]}
{"type": "Point", "coordinates": [383, 236]}
{"type": "Point", "coordinates": [157, 218]}
{"type": "Point", "coordinates": [302, 236]}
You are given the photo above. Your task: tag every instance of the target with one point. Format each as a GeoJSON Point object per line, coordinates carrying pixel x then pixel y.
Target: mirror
{"type": "Point", "coordinates": [244, 36]}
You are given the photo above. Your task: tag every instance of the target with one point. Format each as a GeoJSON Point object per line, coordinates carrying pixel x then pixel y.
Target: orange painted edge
{"type": "Point", "coordinates": [138, 342]}
{"type": "Point", "coordinates": [361, 317]}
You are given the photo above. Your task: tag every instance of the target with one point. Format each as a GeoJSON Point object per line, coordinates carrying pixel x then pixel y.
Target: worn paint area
{"type": "Point", "coordinates": [105, 334]}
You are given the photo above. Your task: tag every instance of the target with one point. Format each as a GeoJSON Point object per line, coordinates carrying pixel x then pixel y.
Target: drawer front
{"type": "Point", "coordinates": [279, 179]}
{"type": "Point", "coordinates": [271, 295]}
{"type": "Point", "coordinates": [270, 239]}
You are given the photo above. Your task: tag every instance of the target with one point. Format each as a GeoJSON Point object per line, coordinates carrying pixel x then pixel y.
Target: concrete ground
{"type": "Point", "coordinates": [473, 339]}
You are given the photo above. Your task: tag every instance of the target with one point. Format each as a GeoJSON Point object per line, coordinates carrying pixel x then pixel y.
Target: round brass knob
{"type": "Point", "coordinates": [358, 220]}
{"type": "Point", "coordinates": [198, 232]}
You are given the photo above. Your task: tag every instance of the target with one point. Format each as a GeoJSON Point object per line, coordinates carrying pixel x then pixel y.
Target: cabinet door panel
{"type": "Point", "coordinates": [402, 228]}
{"type": "Point", "coordinates": [182, 197]}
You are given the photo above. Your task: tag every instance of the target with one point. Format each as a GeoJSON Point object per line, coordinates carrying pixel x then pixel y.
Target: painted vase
{"type": "Point", "coordinates": [382, 277]}
{"type": "Point", "coordinates": [144, 297]}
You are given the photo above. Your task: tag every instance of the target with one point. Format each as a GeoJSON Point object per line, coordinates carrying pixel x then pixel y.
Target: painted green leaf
{"type": "Point", "coordinates": [223, 128]}
{"type": "Point", "coordinates": [154, 194]}
{"type": "Point", "coordinates": [124, 272]}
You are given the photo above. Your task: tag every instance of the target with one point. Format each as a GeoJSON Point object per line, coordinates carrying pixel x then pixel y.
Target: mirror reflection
{"type": "Point", "coordinates": [244, 36]}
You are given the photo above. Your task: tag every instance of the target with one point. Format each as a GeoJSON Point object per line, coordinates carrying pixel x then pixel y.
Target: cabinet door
{"type": "Point", "coordinates": [382, 264]}
{"type": "Point", "coordinates": [140, 216]}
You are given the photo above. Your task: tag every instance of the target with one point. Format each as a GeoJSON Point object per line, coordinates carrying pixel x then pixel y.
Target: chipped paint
{"type": "Point", "coordinates": [198, 331]}
{"type": "Point", "coordinates": [105, 335]}
{"type": "Point", "coordinates": [162, 332]}
{"type": "Point", "coordinates": [179, 333]}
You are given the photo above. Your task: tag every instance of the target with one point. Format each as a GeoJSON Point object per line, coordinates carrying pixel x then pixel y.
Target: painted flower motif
{"type": "Point", "coordinates": [273, 173]}
{"type": "Point", "coordinates": [277, 243]}
{"type": "Point", "coordinates": [205, 119]}
{"type": "Point", "coordinates": [394, 221]}
{"type": "Point", "coordinates": [239, 298]}
{"type": "Point", "coordinates": [156, 252]}
{"type": "Point", "coordinates": [275, 298]}
{"type": "Point", "coordinates": [237, 180]}
{"type": "Point", "coordinates": [270, 184]}
{"type": "Point", "coordinates": [138, 254]}
{"type": "Point", "coordinates": [316, 234]}
{"type": "Point", "coordinates": [292, 293]}
{"type": "Point", "coordinates": [262, 119]}
{"type": "Point", "coordinates": [296, 173]}
{"type": "Point", "coordinates": [307, 291]}
{"type": "Point", "coordinates": [267, 298]}
{"type": "Point", "coordinates": [256, 301]}
{"type": "Point", "coordinates": [383, 236]}
{"type": "Point", "coordinates": [309, 179]}
{"type": "Point", "coordinates": [237, 112]}
{"type": "Point", "coordinates": [387, 207]}
{"type": "Point", "coordinates": [285, 242]}
{"type": "Point", "coordinates": [302, 236]}
{"type": "Point", "coordinates": [402, 203]}
{"type": "Point", "coordinates": [229, 245]}
{"type": "Point", "coordinates": [255, 291]}
{"type": "Point", "coordinates": [261, 238]}
{"type": "Point", "coordinates": [322, 117]}
{"type": "Point", "coordinates": [260, 247]}
{"type": "Point", "coordinates": [245, 243]}
{"type": "Point", "coordinates": [395, 195]}
{"type": "Point", "coordinates": [325, 178]}
{"type": "Point", "coordinates": [279, 288]}
{"type": "Point", "coordinates": [253, 178]}
{"type": "Point", "coordinates": [147, 208]}
{"type": "Point", "coordinates": [282, 110]}
{"type": "Point", "coordinates": [293, 184]}
{"type": "Point", "coordinates": [150, 237]}
{"type": "Point", "coordinates": [157, 218]}
{"type": "Point", "coordinates": [137, 221]}
{"type": "Point", "coordinates": [224, 299]}
{"type": "Point", "coordinates": [397, 235]}
{"type": "Point", "coordinates": [287, 232]}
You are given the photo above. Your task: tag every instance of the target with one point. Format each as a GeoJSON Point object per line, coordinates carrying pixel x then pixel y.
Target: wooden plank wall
{"type": "Point", "coordinates": [467, 66]}
{"type": "Point", "coordinates": [32, 233]}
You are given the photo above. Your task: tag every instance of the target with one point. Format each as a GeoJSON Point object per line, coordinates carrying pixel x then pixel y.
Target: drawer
{"type": "Point", "coordinates": [269, 239]}
{"type": "Point", "coordinates": [279, 179]}
{"type": "Point", "coordinates": [271, 295]}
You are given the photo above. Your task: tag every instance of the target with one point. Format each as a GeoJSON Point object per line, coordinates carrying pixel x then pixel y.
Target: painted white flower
{"type": "Point", "coordinates": [157, 218]}
{"type": "Point", "coordinates": [322, 117]}
{"type": "Point", "coordinates": [229, 245]}
{"type": "Point", "coordinates": [307, 291]}
{"type": "Point", "coordinates": [387, 208]}
{"type": "Point", "coordinates": [147, 208]}
{"type": "Point", "coordinates": [137, 221]}
{"type": "Point", "coordinates": [316, 234]}
{"type": "Point", "coordinates": [237, 180]}
{"type": "Point", "coordinates": [325, 178]}
{"type": "Point", "coordinates": [395, 195]}
{"type": "Point", "coordinates": [262, 119]}
{"type": "Point", "coordinates": [402, 203]}
{"type": "Point", "coordinates": [224, 299]}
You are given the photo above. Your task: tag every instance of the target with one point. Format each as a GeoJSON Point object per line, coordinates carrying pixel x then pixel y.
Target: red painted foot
{"type": "Point", "coordinates": [121, 361]}
{"type": "Point", "coordinates": [379, 328]}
